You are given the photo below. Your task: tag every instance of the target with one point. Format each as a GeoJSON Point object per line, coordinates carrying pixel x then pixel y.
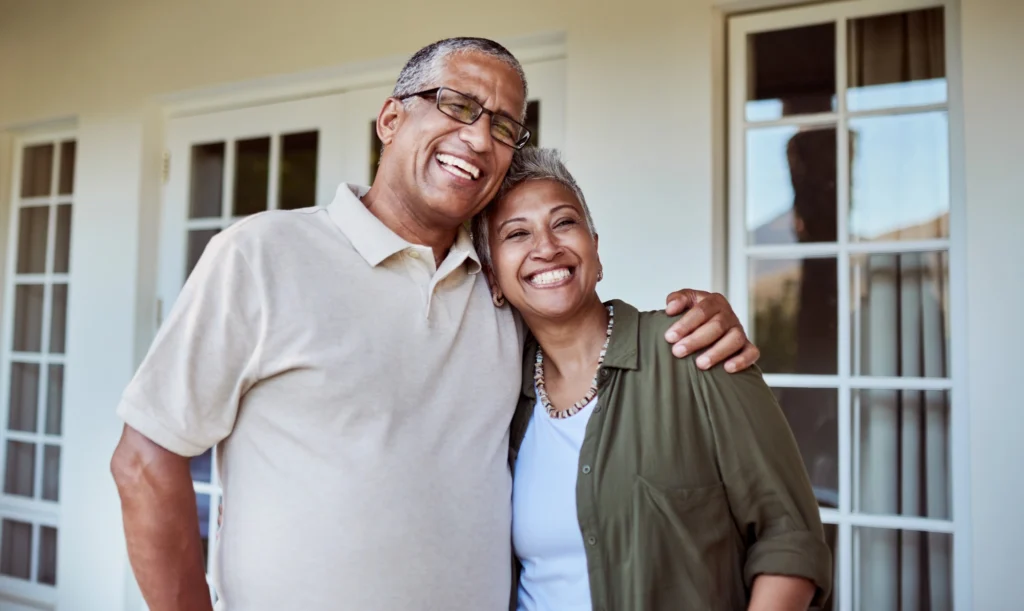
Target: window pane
{"type": "Point", "coordinates": [24, 397]}
{"type": "Point", "coordinates": [28, 317]}
{"type": "Point", "coordinates": [16, 549]}
{"type": "Point", "coordinates": [58, 318]}
{"type": "Point", "coordinates": [897, 60]}
{"type": "Point", "coordinates": [55, 400]}
{"type": "Point", "coordinates": [902, 569]}
{"type": "Point", "coordinates": [791, 185]}
{"type": "Point", "coordinates": [813, 415]}
{"type": "Point", "coordinates": [376, 145]}
{"type": "Point", "coordinates": [203, 509]}
{"type": "Point", "coordinates": [62, 245]}
{"type": "Point", "coordinates": [47, 555]}
{"type": "Point", "coordinates": [252, 173]}
{"type": "Point", "coordinates": [207, 180]}
{"type": "Point", "coordinates": [794, 308]}
{"type": "Point", "coordinates": [902, 441]}
{"type": "Point", "coordinates": [36, 170]}
{"type": "Point", "coordinates": [298, 170]}
{"type": "Point", "coordinates": [792, 72]}
{"type": "Point", "coordinates": [900, 177]}
{"type": "Point", "coordinates": [201, 466]}
{"type": "Point", "coordinates": [32, 231]}
{"type": "Point", "coordinates": [51, 473]}
{"type": "Point", "coordinates": [533, 122]}
{"type": "Point", "coordinates": [900, 314]}
{"type": "Point", "coordinates": [67, 168]}
{"type": "Point", "coordinates": [197, 241]}
{"type": "Point", "coordinates": [21, 469]}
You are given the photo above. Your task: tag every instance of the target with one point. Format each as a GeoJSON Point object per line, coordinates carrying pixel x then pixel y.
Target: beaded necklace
{"type": "Point", "coordinates": [538, 377]}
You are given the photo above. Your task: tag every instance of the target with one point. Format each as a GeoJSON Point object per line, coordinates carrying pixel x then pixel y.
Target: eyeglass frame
{"type": "Point", "coordinates": [436, 93]}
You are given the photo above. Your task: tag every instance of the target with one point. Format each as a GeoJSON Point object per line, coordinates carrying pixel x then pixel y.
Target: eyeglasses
{"type": "Point", "coordinates": [465, 109]}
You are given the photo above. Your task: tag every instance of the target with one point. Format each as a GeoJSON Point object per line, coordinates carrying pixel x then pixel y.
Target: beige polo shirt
{"type": "Point", "coordinates": [361, 400]}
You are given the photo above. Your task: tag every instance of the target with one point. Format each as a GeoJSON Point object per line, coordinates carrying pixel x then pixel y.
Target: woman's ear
{"type": "Point", "coordinates": [497, 298]}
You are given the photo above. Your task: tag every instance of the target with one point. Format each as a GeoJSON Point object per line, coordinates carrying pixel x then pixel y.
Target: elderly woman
{"type": "Point", "coordinates": [641, 482]}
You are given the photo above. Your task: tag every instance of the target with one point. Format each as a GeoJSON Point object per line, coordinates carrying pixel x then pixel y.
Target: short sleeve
{"type": "Point", "coordinates": [186, 392]}
{"type": "Point", "coordinates": [770, 495]}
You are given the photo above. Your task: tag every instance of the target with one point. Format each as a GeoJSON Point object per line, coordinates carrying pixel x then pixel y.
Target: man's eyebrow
{"type": "Point", "coordinates": [497, 112]}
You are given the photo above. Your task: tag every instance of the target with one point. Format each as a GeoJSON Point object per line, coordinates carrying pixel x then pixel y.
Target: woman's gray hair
{"type": "Point", "coordinates": [424, 68]}
{"type": "Point", "coordinates": [527, 164]}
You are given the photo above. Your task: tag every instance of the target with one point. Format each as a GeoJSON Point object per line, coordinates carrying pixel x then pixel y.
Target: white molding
{"type": "Point", "coordinates": [332, 79]}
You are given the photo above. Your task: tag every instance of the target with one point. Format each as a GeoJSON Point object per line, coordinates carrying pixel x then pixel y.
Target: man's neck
{"type": "Point", "coordinates": [397, 216]}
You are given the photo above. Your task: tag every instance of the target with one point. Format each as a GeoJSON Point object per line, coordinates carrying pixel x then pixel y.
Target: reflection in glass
{"type": "Point", "coordinates": [900, 177]}
{"type": "Point", "coordinates": [207, 180]}
{"type": "Point", "coordinates": [903, 448]}
{"type": "Point", "coordinates": [794, 305]}
{"type": "Point", "coordinates": [16, 549]}
{"type": "Point", "coordinates": [201, 466]}
{"type": "Point", "coordinates": [902, 570]}
{"type": "Point", "coordinates": [792, 72]}
{"type": "Point", "coordinates": [62, 243]}
{"type": "Point", "coordinates": [813, 416]}
{"type": "Point", "coordinates": [32, 231]}
{"type": "Point", "coordinates": [67, 168]}
{"type": "Point", "coordinates": [58, 318]}
{"type": "Point", "coordinates": [28, 317]}
{"type": "Point", "coordinates": [791, 185]}
{"type": "Point", "coordinates": [252, 173]}
{"type": "Point", "coordinates": [24, 397]}
{"type": "Point", "coordinates": [299, 153]}
{"type": "Point", "coordinates": [51, 473]}
{"type": "Point", "coordinates": [36, 170]}
{"type": "Point", "coordinates": [197, 241]}
{"type": "Point", "coordinates": [900, 321]}
{"type": "Point", "coordinates": [203, 510]}
{"type": "Point", "coordinates": [54, 400]}
{"type": "Point", "coordinates": [897, 60]}
{"type": "Point", "coordinates": [20, 475]}
{"type": "Point", "coordinates": [47, 569]}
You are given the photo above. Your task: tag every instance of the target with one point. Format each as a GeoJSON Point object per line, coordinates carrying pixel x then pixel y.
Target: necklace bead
{"type": "Point", "coordinates": [538, 377]}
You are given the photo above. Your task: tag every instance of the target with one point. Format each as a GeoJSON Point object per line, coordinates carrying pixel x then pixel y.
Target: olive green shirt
{"type": "Point", "coordinates": [690, 483]}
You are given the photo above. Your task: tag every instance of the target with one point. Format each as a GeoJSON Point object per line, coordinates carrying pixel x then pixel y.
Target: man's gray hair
{"type": "Point", "coordinates": [528, 164]}
{"type": "Point", "coordinates": [424, 68]}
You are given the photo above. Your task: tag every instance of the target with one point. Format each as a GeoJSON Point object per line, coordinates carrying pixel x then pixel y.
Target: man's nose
{"type": "Point", "coordinates": [478, 134]}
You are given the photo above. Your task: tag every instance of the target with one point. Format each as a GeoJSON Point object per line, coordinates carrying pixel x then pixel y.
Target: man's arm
{"type": "Point", "coordinates": [158, 505]}
{"type": "Point", "coordinates": [709, 321]}
{"type": "Point", "coordinates": [781, 593]}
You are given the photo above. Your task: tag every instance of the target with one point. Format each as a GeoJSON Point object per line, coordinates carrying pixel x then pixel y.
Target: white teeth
{"type": "Point", "coordinates": [550, 277]}
{"type": "Point", "coordinates": [468, 168]}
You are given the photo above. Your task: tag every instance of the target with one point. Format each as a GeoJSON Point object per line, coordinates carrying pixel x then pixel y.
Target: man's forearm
{"type": "Point", "coordinates": [161, 527]}
{"type": "Point", "coordinates": [781, 593]}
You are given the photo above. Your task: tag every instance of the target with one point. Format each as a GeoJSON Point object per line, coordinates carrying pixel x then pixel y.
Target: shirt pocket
{"type": "Point", "coordinates": [684, 549]}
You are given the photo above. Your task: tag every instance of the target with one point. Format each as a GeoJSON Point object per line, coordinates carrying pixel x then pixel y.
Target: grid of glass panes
{"type": "Point", "coordinates": [840, 249]}
{"type": "Point", "coordinates": [33, 366]}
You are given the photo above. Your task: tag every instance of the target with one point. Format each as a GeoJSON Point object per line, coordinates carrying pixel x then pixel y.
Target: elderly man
{"type": "Point", "coordinates": [359, 382]}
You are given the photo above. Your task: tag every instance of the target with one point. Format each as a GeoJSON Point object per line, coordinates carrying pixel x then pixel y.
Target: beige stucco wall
{"type": "Point", "coordinates": [641, 96]}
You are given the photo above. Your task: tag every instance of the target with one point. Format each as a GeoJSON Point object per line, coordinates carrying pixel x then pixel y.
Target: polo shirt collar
{"type": "Point", "coordinates": [622, 347]}
{"type": "Point", "coordinates": [375, 241]}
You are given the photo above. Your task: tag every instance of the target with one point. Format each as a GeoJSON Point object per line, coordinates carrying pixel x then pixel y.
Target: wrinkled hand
{"type": "Point", "coordinates": [709, 321]}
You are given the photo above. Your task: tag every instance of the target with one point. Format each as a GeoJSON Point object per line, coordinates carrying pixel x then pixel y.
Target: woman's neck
{"type": "Point", "coordinates": [572, 347]}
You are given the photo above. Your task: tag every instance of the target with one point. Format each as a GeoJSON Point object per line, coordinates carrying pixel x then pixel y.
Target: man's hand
{"type": "Point", "coordinates": [709, 321]}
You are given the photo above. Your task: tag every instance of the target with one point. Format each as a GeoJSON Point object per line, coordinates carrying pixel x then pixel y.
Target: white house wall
{"type": "Point", "coordinates": [641, 137]}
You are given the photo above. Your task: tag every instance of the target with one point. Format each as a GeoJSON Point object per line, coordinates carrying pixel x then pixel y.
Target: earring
{"type": "Point", "coordinates": [600, 274]}
{"type": "Point", "coordinates": [497, 299]}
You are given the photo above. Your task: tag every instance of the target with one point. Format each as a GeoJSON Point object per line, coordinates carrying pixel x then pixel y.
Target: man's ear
{"type": "Point", "coordinates": [389, 119]}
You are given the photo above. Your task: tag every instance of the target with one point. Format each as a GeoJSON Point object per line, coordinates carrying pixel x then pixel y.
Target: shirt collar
{"type": "Point", "coordinates": [622, 347]}
{"type": "Point", "coordinates": [375, 241]}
